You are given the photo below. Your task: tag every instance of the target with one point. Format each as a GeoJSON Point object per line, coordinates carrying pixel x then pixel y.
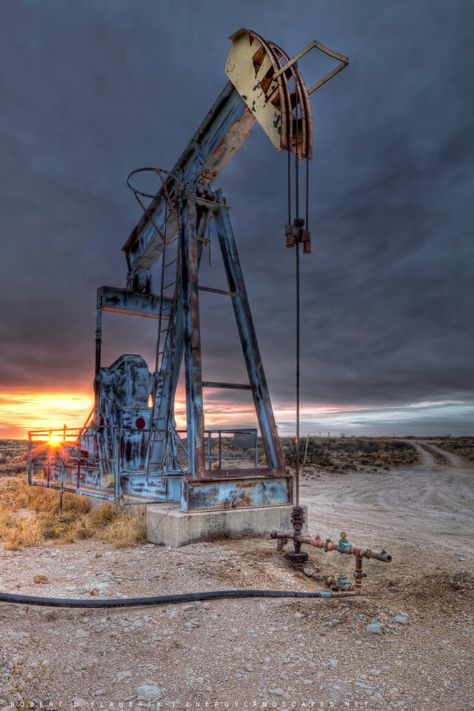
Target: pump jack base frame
{"type": "Point", "coordinates": [123, 473]}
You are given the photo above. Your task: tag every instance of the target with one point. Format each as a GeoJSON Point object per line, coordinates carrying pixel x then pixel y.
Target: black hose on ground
{"type": "Point", "coordinates": [164, 599]}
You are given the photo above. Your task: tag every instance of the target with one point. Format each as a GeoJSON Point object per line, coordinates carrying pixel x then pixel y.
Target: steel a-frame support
{"type": "Point", "coordinates": [190, 253]}
{"type": "Point", "coordinates": [192, 339]}
{"type": "Point", "coordinates": [248, 338]}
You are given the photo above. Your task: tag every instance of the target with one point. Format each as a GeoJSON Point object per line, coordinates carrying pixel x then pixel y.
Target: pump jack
{"type": "Point", "coordinates": [130, 448]}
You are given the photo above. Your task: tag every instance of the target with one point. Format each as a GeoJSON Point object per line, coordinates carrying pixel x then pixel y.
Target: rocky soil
{"type": "Point", "coordinates": [408, 645]}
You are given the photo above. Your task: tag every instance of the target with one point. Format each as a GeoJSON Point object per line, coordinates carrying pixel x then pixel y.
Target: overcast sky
{"type": "Point", "coordinates": [92, 89]}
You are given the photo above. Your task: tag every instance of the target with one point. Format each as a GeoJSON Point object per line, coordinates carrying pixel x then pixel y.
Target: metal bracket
{"type": "Point", "coordinates": [343, 62]}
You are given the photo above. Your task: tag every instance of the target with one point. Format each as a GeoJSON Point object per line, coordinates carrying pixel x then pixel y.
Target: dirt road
{"type": "Point", "coordinates": [424, 507]}
{"type": "Point", "coordinates": [245, 654]}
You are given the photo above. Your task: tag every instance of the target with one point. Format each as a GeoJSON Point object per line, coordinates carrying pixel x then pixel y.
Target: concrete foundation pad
{"type": "Point", "coordinates": [168, 526]}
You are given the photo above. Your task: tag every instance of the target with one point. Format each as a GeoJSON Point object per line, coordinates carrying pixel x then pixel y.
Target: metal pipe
{"type": "Point", "coordinates": [98, 352]}
{"type": "Point", "coordinates": [49, 459]}
{"type": "Point", "coordinates": [358, 574]}
{"type": "Point", "coordinates": [192, 340]}
{"type": "Point", "coordinates": [367, 553]}
{"type": "Point", "coordinates": [345, 547]}
{"type": "Point", "coordinates": [30, 459]}
{"type": "Point", "coordinates": [306, 450]}
{"type": "Point", "coordinates": [61, 490]}
{"type": "Point", "coordinates": [297, 521]}
{"type": "Point", "coordinates": [317, 542]}
{"type": "Point", "coordinates": [209, 450]}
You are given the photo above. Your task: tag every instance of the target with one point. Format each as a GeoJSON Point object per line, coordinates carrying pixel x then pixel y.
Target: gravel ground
{"type": "Point", "coordinates": [408, 645]}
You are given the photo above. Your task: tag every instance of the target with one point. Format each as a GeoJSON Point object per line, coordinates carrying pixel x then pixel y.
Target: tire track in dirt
{"type": "Point", "coordinates": [433, 501]}
{"type": "Point", "coordinates": [452, 460]}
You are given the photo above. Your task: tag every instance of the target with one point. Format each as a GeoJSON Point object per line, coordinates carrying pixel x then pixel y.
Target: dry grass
{"type": "Point", "coordinates": [30, 515]}
{"type": "Point", "coordinates": [13, 454]}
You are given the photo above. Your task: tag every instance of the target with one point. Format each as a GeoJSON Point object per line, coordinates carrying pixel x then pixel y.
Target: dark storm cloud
{"type": "Point", "coordinates": [91, 90]}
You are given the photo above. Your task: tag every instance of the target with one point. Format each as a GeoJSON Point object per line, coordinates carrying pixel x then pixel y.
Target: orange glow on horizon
{"type": "Point", "coordinates": [22, 411]}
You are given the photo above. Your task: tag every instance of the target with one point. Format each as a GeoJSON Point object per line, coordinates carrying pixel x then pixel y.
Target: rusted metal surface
{"type": "Point", "coordinates": [296, 234]}
{"type": "Point", "coordinates": [124, 301]}
{"type": "Point", "coordinates": [358, 574]}
{"type": "Point", "coordinates": [230, 493]}
{"type": "Point", "coordinates": [297, 521]}
{"type": "Point", "coordinates": [273, 90]}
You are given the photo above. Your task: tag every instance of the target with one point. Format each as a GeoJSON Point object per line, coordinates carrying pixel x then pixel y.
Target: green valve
{"type": "Point", "coordinates": [344, 546]}
{"type": "Point", "coordinates": [342, 583]}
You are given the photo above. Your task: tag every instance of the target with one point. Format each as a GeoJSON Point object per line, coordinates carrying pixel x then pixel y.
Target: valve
{"type": "Point", "coordinates": [344, 546]}
{"type": "Point", "coordinates": [342, 582]}
{"type": "Point", "coordinates": [328, 545]}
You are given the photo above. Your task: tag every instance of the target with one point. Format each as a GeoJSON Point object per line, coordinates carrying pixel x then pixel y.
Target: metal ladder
{"type": "Point", "coordinates": [166, 337]}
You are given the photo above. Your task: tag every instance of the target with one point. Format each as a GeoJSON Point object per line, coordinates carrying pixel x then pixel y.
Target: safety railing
{"type": "Point", "coordinates": [230, 443]}
{"type": "Point", "coordinates": [57, 456]}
